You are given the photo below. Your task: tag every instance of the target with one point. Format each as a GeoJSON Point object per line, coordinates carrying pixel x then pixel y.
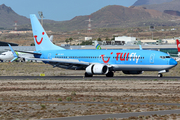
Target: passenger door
{"type": "Point", "coordinates": [152, 58]}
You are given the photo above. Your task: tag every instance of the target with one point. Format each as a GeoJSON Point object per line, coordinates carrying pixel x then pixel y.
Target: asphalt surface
{"type": "Point", "coordinates": [87, 78]}
{"type": "Point", "coordinates": [132, 103]}
{"type": "Point", "coordinates": [120, 115]}
{"type": "Point", "coordinates": [104, 116]}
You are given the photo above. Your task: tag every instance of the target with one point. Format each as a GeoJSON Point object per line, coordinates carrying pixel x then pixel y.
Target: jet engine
{"type": "Point", "coordinates": [97, 69]}
{"type": "Point", "coordinates": [132, 72]}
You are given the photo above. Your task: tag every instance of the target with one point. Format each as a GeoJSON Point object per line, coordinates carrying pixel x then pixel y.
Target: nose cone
{"type": "Point", "coordinates": [172, 62]}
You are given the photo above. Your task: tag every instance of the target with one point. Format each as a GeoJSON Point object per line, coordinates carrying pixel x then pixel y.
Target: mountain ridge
{"type": "Point", "coordinates": [173, 5]}
{"type": "Point", "coordinates": [8, 17]}
{"type": "Point", "coordinates": [119, 16]}
{"type": "Point", "coordinates": [149, 2]}
{"type": "Point", "coordinates": [112, 16]}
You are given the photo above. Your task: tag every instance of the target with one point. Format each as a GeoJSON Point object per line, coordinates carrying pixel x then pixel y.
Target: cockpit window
{"type": "Point", "coordinates": [163, 57]}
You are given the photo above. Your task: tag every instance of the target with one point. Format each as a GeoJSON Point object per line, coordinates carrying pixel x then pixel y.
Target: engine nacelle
{"type": "Point", "coordinates": [132, 72]}
{"type": "Point", "coordinates": [97, 69]}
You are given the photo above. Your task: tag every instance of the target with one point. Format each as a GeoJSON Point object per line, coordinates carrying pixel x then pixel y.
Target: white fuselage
{"type": "Point", "coordinates": [8, 56]}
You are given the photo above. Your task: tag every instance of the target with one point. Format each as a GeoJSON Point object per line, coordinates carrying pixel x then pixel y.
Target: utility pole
{"type": "Point", "coordinates": [41, 16]}
{"type": "Point", "coordinates": [151, 28]}
{"type": "Point", "coordinates": [89, 25]}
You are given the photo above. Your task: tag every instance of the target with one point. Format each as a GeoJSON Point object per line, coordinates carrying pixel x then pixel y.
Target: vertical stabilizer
{"type": "Point", "coordinates": [98, 47]}
{"type": "Point", "coordinates": [178, 45]}
{"type": "Point", "coordinates": [41, 40]}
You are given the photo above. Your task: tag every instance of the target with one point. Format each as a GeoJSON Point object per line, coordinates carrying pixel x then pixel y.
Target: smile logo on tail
{"type": "Point", "coordinates": [39, 41]}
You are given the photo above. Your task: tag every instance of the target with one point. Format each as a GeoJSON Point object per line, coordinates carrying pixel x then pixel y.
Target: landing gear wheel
{"type": "Point", "coordinates": [160, 75]}
{"type": "Point", "coordinates": [110, 74]}
{"type": "Point", "coordinates": [87, 75]}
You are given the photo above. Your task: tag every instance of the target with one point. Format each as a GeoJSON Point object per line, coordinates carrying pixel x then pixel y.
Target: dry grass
{"type": "Point", "coordinates": [50, 96]}
{"type": "Point", "coordinates": [35, 69]}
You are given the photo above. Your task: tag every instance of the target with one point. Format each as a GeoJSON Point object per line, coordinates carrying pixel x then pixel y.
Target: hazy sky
{"type": "Point", "coordinates": [61, 10]}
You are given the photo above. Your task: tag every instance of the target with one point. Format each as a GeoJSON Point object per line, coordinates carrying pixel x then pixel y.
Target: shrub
{"type": "Point", "coordinates": [69, 99]}
{"type": "Point", "coordinates": [73, 93]}
{"type": "Point", "coordinates": [59, 99]}
{"type": "Point", "coordinates": [43, 106]}
{"type": "Point", "coordinates": [111, 99]}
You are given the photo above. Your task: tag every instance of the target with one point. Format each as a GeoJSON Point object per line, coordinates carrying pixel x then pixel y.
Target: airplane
{"type": "Point", "coordinates": [101, 62]}
{"type": "Point", "coordinates": [97, 46]}
{"type": "Point", "coordinates": [51, 38]}
{"type": "Point", "coordinates": [8, 56]}
{"type": "Point", "coordinates": [178, 47]}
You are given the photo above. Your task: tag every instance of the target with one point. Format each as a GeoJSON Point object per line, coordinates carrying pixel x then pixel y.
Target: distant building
{"type": "Point", "coordinates": [20, 32]}
{"type": "Point", "coordinates": [124, 40]}
{"type": "Point", "coordinates": [169, 41]}
{"type": "Point", "coordinates": [151, 42]}
{"type": "Point", "coordinates": [159, 42]}
{"type": "Point", "coordinates": [88, 38]}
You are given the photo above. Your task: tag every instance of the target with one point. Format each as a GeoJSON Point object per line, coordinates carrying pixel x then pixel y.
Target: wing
{"type": "Point", "coordinates": [23, 51]}
{"type": "Point", "coordinates": [69, 61]}
{"type": "Point", "coordinates": [64, 63]}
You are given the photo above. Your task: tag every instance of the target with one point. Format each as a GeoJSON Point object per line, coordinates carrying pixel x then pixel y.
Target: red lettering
{"type": "Point", "coordinates": [117, 56]}
{"type": "Point", "coordinates": [127, 57]}
{"type": "Point", "coordinates": [123, 58]}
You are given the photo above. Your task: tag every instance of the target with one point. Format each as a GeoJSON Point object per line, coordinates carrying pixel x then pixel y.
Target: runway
{"type": "Point", "coordinates": [88, 78]}
{"type": "Point", "coordinates": [120, 115]}
{"type": "Point", "coordinates": [95, 78]}
{"type": "Point", "coordinates": [106, 116]}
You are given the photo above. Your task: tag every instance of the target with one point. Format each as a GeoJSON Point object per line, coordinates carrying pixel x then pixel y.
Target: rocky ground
{"type": "Point", "coordinates": [35, 69]}
{"type": "Point", "coordinates": [38, 99]}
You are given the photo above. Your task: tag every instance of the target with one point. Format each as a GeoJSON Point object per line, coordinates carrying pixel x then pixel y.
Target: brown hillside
{"type": "Point", "coordinates": [112, 16]}
{"type": "Point", "coordinates": [149, 2]}
{"type": "Point", "coordinates": [115, 16]}
{"type": "Point", "coordinates": [173, 5]}
{"type": "Point", "coordinates": [8, 17]}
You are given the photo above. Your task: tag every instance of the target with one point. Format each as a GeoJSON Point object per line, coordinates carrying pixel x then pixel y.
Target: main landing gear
{"type": "Point", "coordinates": [87, 75]}
{"type": "Point", "coordinates": [160, 75]}
{"type": "Point", "coordinates": [110, 74]}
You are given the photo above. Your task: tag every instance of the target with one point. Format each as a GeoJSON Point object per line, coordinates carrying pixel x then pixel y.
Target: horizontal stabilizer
{"type": "Point", "coordinates": [26, 52]}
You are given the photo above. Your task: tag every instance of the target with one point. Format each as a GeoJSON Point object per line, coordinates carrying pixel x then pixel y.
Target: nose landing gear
{"type": "Point", "coordinates": [160, 75]}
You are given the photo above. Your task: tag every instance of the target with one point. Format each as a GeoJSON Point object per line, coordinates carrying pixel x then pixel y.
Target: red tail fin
{"type": "Point", "coordinates": [178, 45]}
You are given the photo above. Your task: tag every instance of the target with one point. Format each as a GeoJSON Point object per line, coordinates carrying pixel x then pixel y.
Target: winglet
{"type": "Point", "coordinates": [98, 47]}
{"type": "Point", "coordinates": [14, 53]}
{"type": "Point", "coordinates": [140, 47]}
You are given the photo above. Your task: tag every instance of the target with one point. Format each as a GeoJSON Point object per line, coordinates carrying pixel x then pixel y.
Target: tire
{"type": "Point", "coordinates": [110, 74]}
{"type": "Point", "coordinates": [87, 75]}
{"type": "Point", "coordinates": [160, 75]}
